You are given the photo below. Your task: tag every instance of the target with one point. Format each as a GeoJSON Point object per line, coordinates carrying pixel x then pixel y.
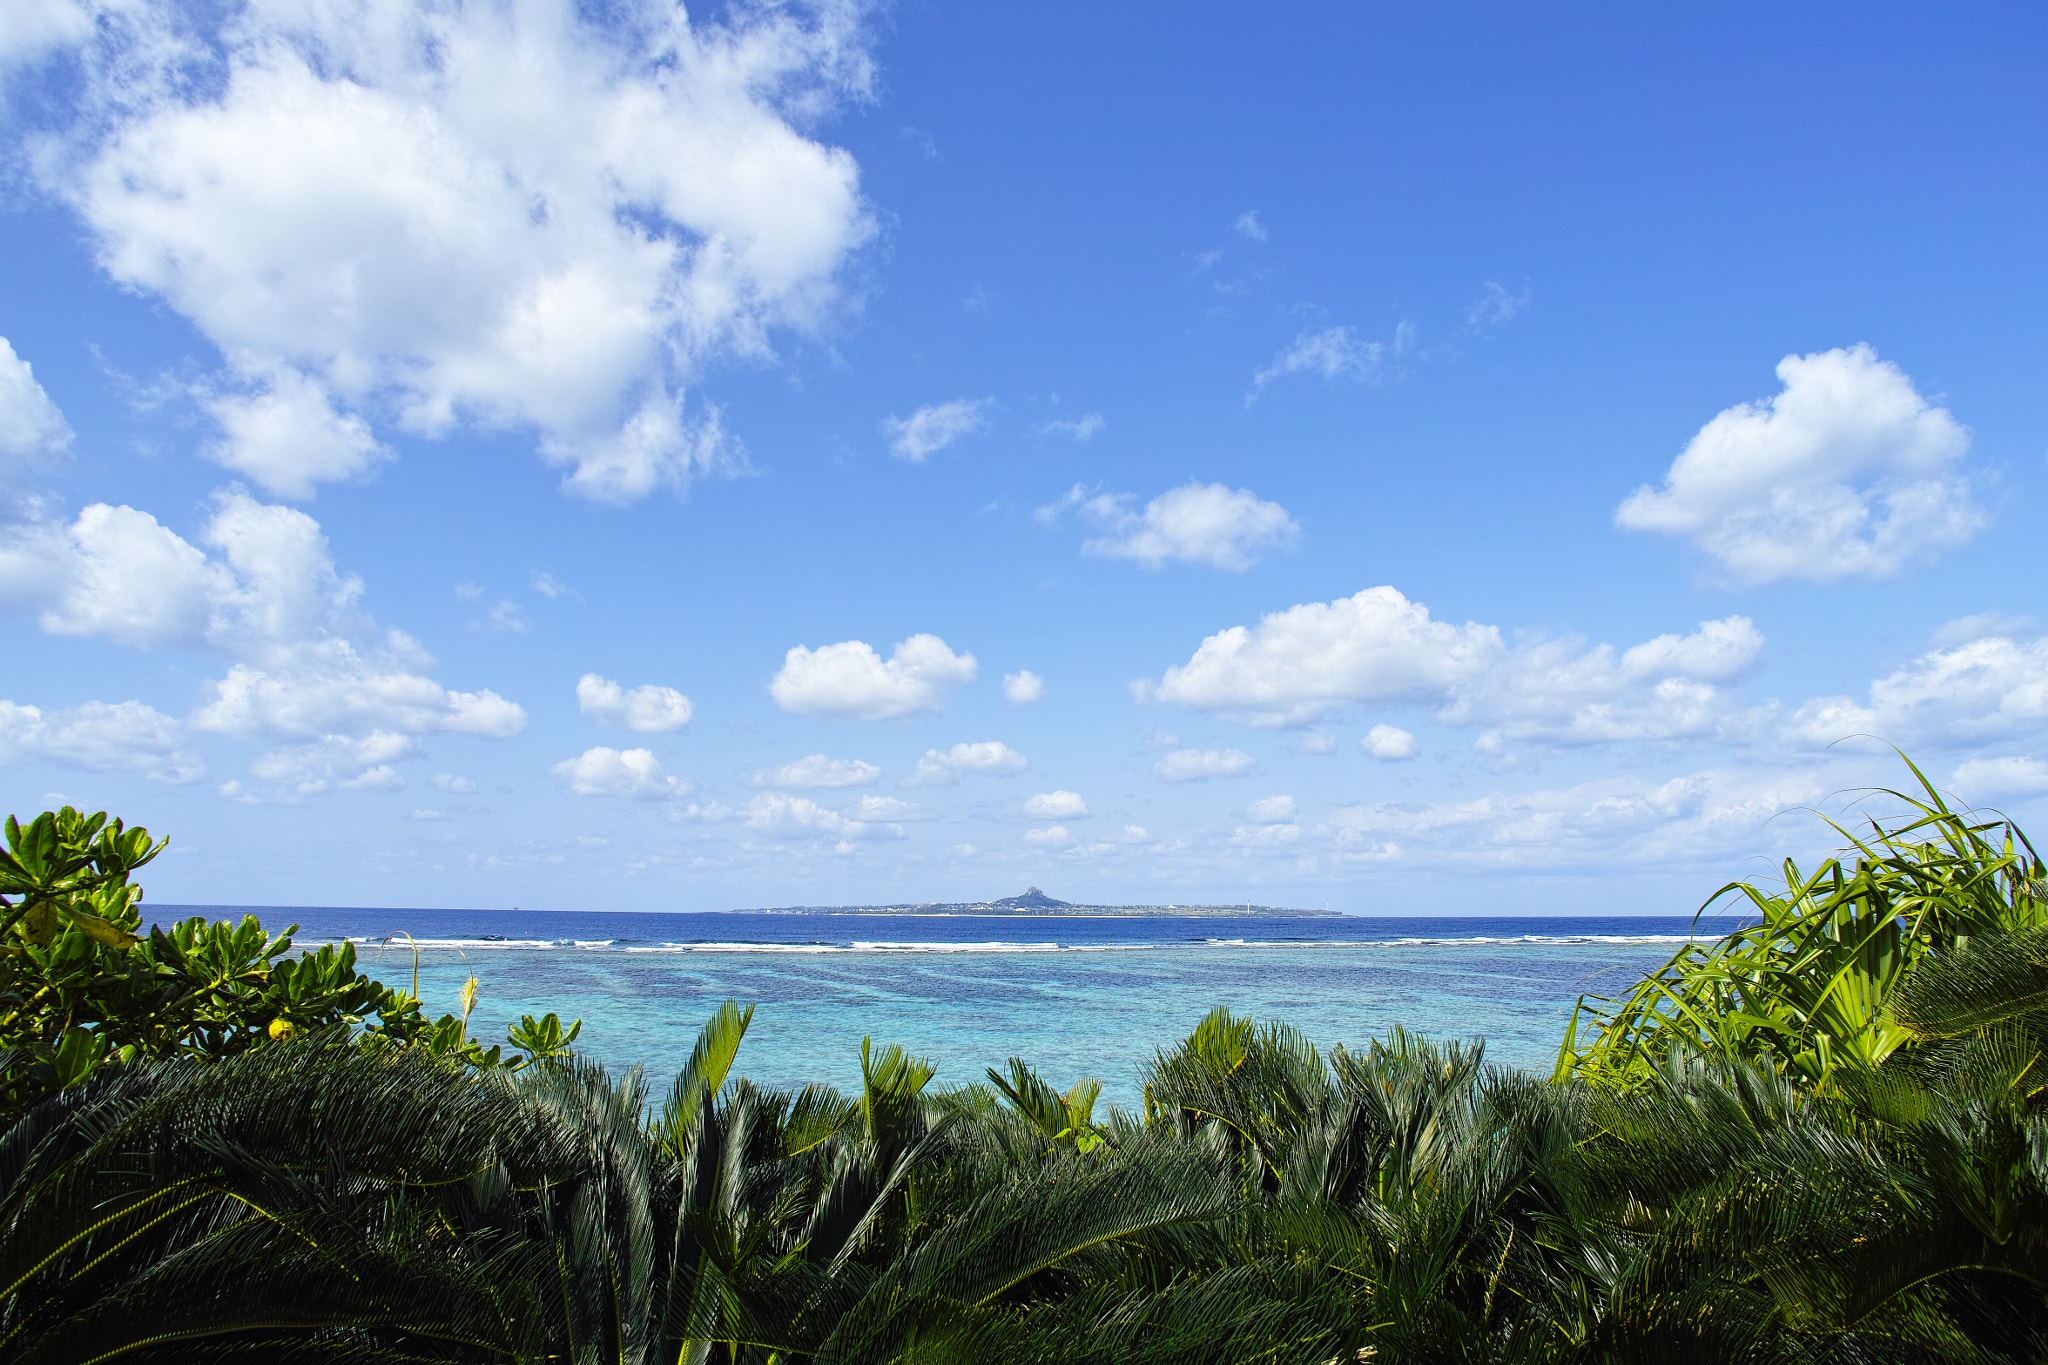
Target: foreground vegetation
{"type": "Point", "coordinates": [1821, 1139]}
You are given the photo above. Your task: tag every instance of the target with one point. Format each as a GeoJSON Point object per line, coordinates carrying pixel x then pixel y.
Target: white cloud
{"type": "Point", "coordinates": [1054, 838]}
{"type": "Point", "coordinates": [1977, 692]}
{"type": "Point", "coordinates": [287, 436]}
{"type": "Point", "coordinates": [1199, 765]}
{"type": "Point", "coordinates": [505, 618]}
{"type": "Point", "coordinates": [1389, 744]}
{"type": "Point", "coordinates": [1964, 629]}
{"type": "Point", "coordinates": [849, 679]}
{"type": "Point", "coordinates": [1196, 523]}
{"type": "Point", "coordinates": [32, 29]}
{"type": "Point", "coordinates": [647, 709]}
{"type": "Point", "coordinates": [550, 587]}
{"type": "Point", "coordinates": [805, 774]}
{"type": "Point", "coordinates": [1315, 742]}
{"type": "Point", "coordinates": [382, 778]}
{"type": "Point", "coordinates": [935, 427]}
{"type": "Point", "coordinates": [1060, 805]}
{"type": "Point", "coordinates": [1704, 818]}
{"type": "Point", "coordinates": [1272, 809]}
{"type": "Point", "coordinates": [448, 782]}
{"type": "Point", "coordinates": [1082, 428]}
{"type": "Point", "coordinates": [335, 761]}
{"type": "Point", "coordinates": [270, 600]}
{"type": "Point", "coordinates": [332, 689]}
{"type": "Point", "coordinates": [879, 808]}
{"type": "Point", "coordinates": [1846, 473]}
{"type": "Point", "coordinates": [1332, 353]}
{"type": "Point", "coordinates": [944, 767]}
{"type": "Point", "coordinates": [524, 217]}
{"type": "Point", "coordinates": [634, 773]}
{"type": "Point", "coordinates": [1135, 834]}
{"type": "Point", "coordinates": [1249, 225]}
{"type": "Point", "coordinates": [1984, 778]}
{"type": "Point", "coordinates": [1023, 687]}
{"type": "Point", "coordinates": [31, 428]}
{"type": "Point", "coordinates": [1558, 692]}
{"type": "Point", "coordinates": [796, 817]}
{"type": "Point", "coordinates": [1493, 310]}
{"type": "Point", "coordinates": [1377, 648]}
{"type": "Point", "coordinates": [1267, 836]}
{"type": "Point", "coordinates": [101, 737]}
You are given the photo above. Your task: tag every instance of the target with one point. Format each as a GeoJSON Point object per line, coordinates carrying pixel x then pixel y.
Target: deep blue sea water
{"type": "Point", "coordinates": [1075, 997]}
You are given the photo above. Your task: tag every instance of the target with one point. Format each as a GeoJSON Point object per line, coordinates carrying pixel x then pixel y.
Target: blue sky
{"type": "Point", "coordinates": [1416, 459]}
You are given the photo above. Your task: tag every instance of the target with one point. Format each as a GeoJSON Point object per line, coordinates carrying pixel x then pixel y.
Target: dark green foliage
{"type": "Point", "coordinates": [1820, 1143]}
{"type": "Point", "coordinates": [81, 984]}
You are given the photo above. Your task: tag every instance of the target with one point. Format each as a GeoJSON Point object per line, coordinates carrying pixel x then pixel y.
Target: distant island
{"type": "Point", "coordinates": [1036, 902]}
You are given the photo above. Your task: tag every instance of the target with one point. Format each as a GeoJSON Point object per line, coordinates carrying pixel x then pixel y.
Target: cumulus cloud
{"type": "Point", "coordinates": [1055, 837]}
{"type": "Point", "coordinates": [944, 767]}
{"type": "Point", "coordinates": [935, 427]}
{"type": "Point", "coordinates": [1199, 765]}
{"type": "Point", "coordinates": [1331, 353]}
{"type": "Point", "coordinates": [1847, 473]}
{"type": "Point", "coordinates": [287, 436]}
{"type": "Point", "coordinates": [529, 217]}
{"type": "Point", "coordinates": [1619, 820]}
{"type": "Point", "coordinates": [1266, 836]}
{"type": "Point", "coordinates": [632, 773]}
{"type": "Point", "coordinates": [1023, 687]}
{"type": "Point", "coordinates": [1250, 226]}
{"type": "Point", "coordinates": [883, 808]}
{"type": "Point", "coordinates": [448, 782]}
{"type": "Point", "coordinates": [1060, 805]}
{"type": "Point", "coordinates": [1317, 742]}
{"type": "Point", "coordinates": [1982, 779]}
{"type": "Point", "coordinates": [100, 737]}
{"type": "Point", "coordinates": [805, 774]}
{"type": "Point", "coordinates": [1272, 810]}
{"type": "Point", "coordinates": [797, 817]}
{"type": "Point", "coordinates": [1081, 429]}
{"type": "Point", "coordinates": [1196, 523]}
{"type": "Point", "coordinates": [849, 679]}
{"type": "Point", "coordinates": [333, 761]}
{"type": "Point", "coordinates": [647, 709]}
{"type": "Point", "coordinates": [1389, 744]}
{"type": "Point", "coordinates": [31, 428]}
{"type": "Point", "coordinates": [1980, 691]}
{"type": "Point", "coordinates": [305, 660]}
{"type": "Point", "coordinates": [1560, 693]}
{"type": "Point", "coordinates": [1377, 648]}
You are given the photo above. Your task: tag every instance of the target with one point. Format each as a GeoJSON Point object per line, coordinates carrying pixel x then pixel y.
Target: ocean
{"type": "Point", "coordinates": [1074, 997]}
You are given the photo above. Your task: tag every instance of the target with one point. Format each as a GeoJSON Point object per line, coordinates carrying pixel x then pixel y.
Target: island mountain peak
{"type": "Point", "coordinates": [1032, 899]}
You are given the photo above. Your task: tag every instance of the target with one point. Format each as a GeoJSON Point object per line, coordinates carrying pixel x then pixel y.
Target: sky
{"type": "Point", "coordinates": [1404, 458]}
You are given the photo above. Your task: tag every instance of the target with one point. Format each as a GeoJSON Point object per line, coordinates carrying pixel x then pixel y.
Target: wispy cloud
{"type": "Point", "coordinates": [1081, 429]}
{"type": "Point", "coordinates": [1331, 353]}
{"type": "Point", "coordinates": [935, 427]}
{"type": "Point", "coordinates": [1493, 310]}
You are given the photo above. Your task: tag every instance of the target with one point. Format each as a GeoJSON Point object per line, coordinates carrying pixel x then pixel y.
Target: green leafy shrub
{"type": "Point", "coordinates": [81, 984]}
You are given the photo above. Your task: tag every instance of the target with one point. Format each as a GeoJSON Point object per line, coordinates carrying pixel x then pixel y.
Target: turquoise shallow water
{"type": "Point", "coordinates": [1073, 997]}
